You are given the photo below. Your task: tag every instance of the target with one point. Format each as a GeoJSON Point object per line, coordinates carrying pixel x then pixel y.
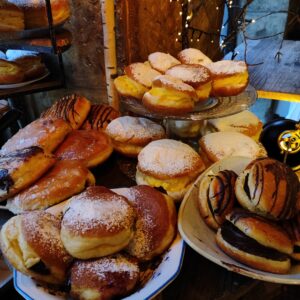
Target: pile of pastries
{"type": "Point", "coordinates": [17, 15]}
{"type": "Point", "coordinates": [168, 85]}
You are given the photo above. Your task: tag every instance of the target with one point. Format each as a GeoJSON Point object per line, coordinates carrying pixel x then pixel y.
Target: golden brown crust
{"type": "Point", "coordinates": [21, 168]}
{"type": "Point", "coordinates": [269, 188]}
{"type": "Point", "coordinates": [256, 262]}
{"type": "Point", "coordinates": [31, 66]}
{"type": "Point", "coordinates": [45, 133]}
{"type": "Point", "coordinates": [156, 221]}
{"type": "Point", "coordinates": [10, 72]}
{"type": "Point", "coordinates": [227, 91]}
{"type": "Point", "coordinates": [72, 108]}
{"type": "Point", "coordinates": [65, 179]}
{"type": "Point", "coordinates": [90, 146]}
{"type": "Point", "coordinates": [12, 17]}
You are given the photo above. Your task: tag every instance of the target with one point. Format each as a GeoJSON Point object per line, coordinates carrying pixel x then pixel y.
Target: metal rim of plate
{"type": "Point", "coordinates": [211, 108]}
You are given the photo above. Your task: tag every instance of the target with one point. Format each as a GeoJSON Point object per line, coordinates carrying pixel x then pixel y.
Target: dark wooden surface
{"type": "Point", "coordinates": [199, 278]}
{"type": "Point", "coordinates": [268, 75]}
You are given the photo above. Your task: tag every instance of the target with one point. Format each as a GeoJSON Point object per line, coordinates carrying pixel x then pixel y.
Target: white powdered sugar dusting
{"type": "Point", "coordinates": [227, 67]}
{"type": "Point", "coordinates": [224, 144]}
{"type": "Point", "coordinates": [127, 128]}
{"type": "Point", "coordinates": [193, 56]}
{"type": "Point", "coordinates": [173, 82]}
{"type": "Point", "coordinates": [162, 61]}
{"type": "Point", "coordinates": [167, 156]}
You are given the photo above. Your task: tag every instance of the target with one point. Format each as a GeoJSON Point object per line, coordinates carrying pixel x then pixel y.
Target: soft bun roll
{"type": "Point", "coordinates": [104, 278]}
{"type": "Point", "coordinates": [269, 188]}
{"type": "Point", "coordinates": [195, 75]}
{"type": "Point", "coordinates": [156, 222]}
{"type": "Point", "coordinates": [255, 242]}
{"type": "Point", "coordinates": [10, 72]}
{"type": "Point", "coordinates": [31, 243]}
{"type": "Point", "coordinates": [193, 56]}
{"type": "Point", "coordinates": [97, 223]}
{"type": "Point", "coordinates": [11, 16]}
{"type": "Point", "coordinates": [216, 197]}
{"type": "Point", "coordinates": [229, 77]}
{"type": "Point", "coordinates": [169, 164]}
{"type": "Point", "coordinates": [130, 134]}
{"type": "Point", "coordinates": [170, 95]}
{"type": "Point", "coordinates": [162, 61]}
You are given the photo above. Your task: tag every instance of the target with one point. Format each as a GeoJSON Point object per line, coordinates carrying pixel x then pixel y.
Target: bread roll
{"type": "Point", "coordinates": [193, 56]}
{"type": "Point", "coordinates": [11, 16]}
{"type": "Point", "coordinates": [10, 72]}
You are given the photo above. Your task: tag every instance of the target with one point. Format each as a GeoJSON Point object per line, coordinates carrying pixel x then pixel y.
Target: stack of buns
{"type": "Point", "coordinates": [167, 85]}
{"type": "Point", "coordinates": [251, 212]}
{"type": "Point", "coordinates": [99, 245]}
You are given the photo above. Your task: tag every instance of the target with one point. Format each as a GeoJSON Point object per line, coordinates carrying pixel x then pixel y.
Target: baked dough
{"type": "Point", "coordinates": [193, 56]}
{"type": "Point", "coordinates": [11, 16]}
{"type": "Point", "coordinates": [162, 61]}
{"type": "Point", "coordinates": [10, 72]}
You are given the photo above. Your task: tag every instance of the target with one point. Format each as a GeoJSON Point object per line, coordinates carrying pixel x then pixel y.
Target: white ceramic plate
{"type": "Point", "coordinates": [202, 239]}
{"type": "Point", "coordinates": [21, 84]}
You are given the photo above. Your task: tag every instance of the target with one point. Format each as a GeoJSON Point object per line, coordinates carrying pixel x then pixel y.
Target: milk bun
{"type": "Point", "coordinates": [169, 164]}
{"type": "Point", "coordinates": [10, 72]}
{"type": "Point", "coordinates": [130, 134]}
{"type": "Point", "coordinates": [155, 227]}
{"type": "Point", "coordinates": [170, 95]}
{"type": "Point", "coordinates": [104, 278]}
{"type": "Point", "coordinates": [195, 75]}
{"type": "Point", "coordinates": [31, 243]}
{"type": "Point", "coordinates": [269, 188]}
{"type": "Point", "coordinates": [97, 223]}
{"type": "Point", "coordinates": [162, 61]}
{"type": "Point", "coordinates": [255, 242]}
{"type": "Point", "coordinates": [11, 16]}
{"type": "Point", "coordinates": [230, 77]}
{"type": "Point", "coordinates": [193, 56]}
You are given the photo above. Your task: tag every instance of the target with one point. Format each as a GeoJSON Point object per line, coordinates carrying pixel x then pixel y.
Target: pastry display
{"type": "Point", "coordinates": [170, 95]}
{"type": "Point", "coordinates": [130, 134]}
{"type": "Point", "coordinates": [31, 243]}
{"type": "Point", "coordinates": [169, 164]}
{"type": "Point", "coordinates": [268, 188]}
{"type": "Point", "coordinates": [193, 56]}
{"type": "Point", "coordinates": [72, 108]}
{"type": "Point", "coordinates": [100, 116]}
{"type": "Point", "coordinates": [218, 145]}
{"type": "Point", "coordinates": [90, 146]}
{"type": "Point", "coordinates": [229, 77]}
{"type": "Point", "coordinates": [46, 133]}
{"type": "Point", "coordinates": [162, 61]}
{"type": "Point", "coordinates": [195, 75]}
{"type": "Point", "coordinates": [217, 197]}
{"type": "Point", "coordinates": [244, 122]}
{"type": "Point", "coordinates": [10, 72]}
{"type": "Point", "coordinates": [104, 278]}
{"type": "Point", "coordinates": [11, 17]}
{"type": "Point", "coordinates": [96, 223]}
{"type": "Point", "coordinates": [156, 222]}
{"type": "Point", "coordinates": [255, 242]}
{"type": "Point", "coordinates": [20, 168]}
{"type": "Point", "coordinates": [35, 12]}
{"type": "Point", "coordinates": [65, 179]}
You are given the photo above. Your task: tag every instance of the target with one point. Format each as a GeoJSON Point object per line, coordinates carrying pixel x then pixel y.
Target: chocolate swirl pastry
{"type": "Point", "coordinates": [216, 197]}
{"type": "Point", "coordinates": [268, 188]}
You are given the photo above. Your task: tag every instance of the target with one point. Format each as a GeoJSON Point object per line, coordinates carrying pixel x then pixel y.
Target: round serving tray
{"type": "Point", "coordinates": [211, 108]}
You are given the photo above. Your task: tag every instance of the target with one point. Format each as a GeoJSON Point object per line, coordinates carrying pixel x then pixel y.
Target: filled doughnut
{"type": "Point", "coordinates": [162, 61]}
{"type": "Point", "coordinates": [193, 56]}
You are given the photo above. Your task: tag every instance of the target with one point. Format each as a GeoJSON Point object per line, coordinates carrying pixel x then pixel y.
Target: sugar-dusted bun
{"type": "Point", "coordinates": [195, 75]}
{"type": "Point", "coordinates": [21, 168]}
{"type": "Point", "coordinates": [216, 197]}
{"type": "Point", "coordinates": [169, 164]}
{"type": "Point", "coordinates": [156, 222]}
{"type": "Point", "coordinates": [45, 133]}
{"type": "Point", "coordinates": [72, 108]}
{"type": "Point", "coordinates": [31, 243]}
{"type": "Point", "coordinates": [170, 95]}
{"type": "Point", "coordinates": [244, 122]}
{"type": "Point", "coordinates": [219, 145]}
{"type": "Point", "coordinates": [250, 252]}
{"type": "Point", "coordinates": [92, 147]}
{"type": "Point", "coordinates": [100, 116]}
{"type": "Point", "coordinates": [97, 223]}
{"type": "Point", "coordinates": [141, 73]}
{"type": "Point", "coordinates": [193, 56]}
{"type": "Point", "coordinates": [229, 77]}
{"type": "Point", "coordinates": [11, 16]}
{"type": "Point", "coordinates": [130, 134]}
{"type": "Point", "coordinates": [64, 180]}
{"type": "Point", "coordinates": [104, 278]}
{"type": "Point", "coordinates": [269, 188]}
{"type": "Point", "coordinates": [10, 72]}
{"type": "Point", "coordinates": [162, 61]}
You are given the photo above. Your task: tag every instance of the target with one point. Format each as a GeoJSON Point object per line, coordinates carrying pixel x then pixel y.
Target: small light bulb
{"type": "Point", "coordinates": [212, 41]}
{"type": "Point", "coordinates": [253, 21]}
{"type": "Point", "coordinates": [217, 8]}
{"type": "Point", "coordinates": [176, 40]}
{"type": "Point", "coordinates": [223, 26]}
{"type": "Point", "coordinates": [192, 40]}
{"type": "Point", "coordinates": [198, 40]}
{"type": "Point", "coordinates": [180, 13]}
{"type": "Point", "coordinates": [179, 33]}
{"type": "Point", "coordinates": [186, 25]}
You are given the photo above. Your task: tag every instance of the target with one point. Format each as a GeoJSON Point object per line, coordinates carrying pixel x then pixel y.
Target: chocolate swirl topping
{"type": "Point", "coordinates": [99, 116]}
